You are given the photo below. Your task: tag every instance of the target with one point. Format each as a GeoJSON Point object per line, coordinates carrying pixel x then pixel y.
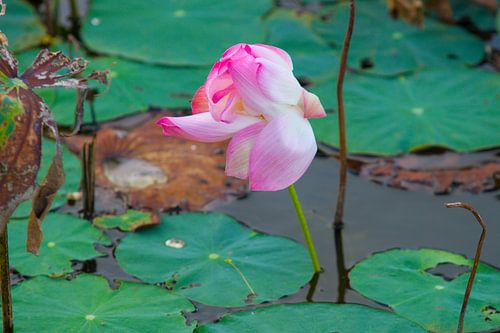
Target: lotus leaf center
{"type": "Point", "coordinates": [180, 13]}
{"type": "Point", "coordinates": [418, 111]}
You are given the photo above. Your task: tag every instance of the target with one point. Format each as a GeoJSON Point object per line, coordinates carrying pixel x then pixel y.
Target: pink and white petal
{"type": "Point", "coordinates": [238, 150]}
{"type": "Point", "coordinates": [226, 109]}
{"type": "Point", "coordinates": [311, 105]}
{"type": "Point", "coordinates": [199, 104]}
{"type": "Point", "coordinates": [272, 53]}
{"type": "Point", "coordinates": [282, 152]}
{"type": "Point", "coordinates": [244, 75]}
{"type": "Point", "coordinates": [202, 127]}
{"type": "Point", "coordinates": [278, 83]}
{"type": "Point", "coordinates": [232, 50]}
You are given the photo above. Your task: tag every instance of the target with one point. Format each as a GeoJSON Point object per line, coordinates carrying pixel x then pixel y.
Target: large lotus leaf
{"type": "Point", "coordinates": [181, 32]}
{"type": "Point", "coordinates": [188, 253]}
{"type": "Point", "coordinates": [313, 318]}
{"type": "Point", "coordinates": [457, 109]}
{"type": "Point", "coordinates": [87, 304]}
{"type": "Point", "coordinates": [65, 238]}
{"type": "Point", "coordinates": [72, 171]}
{"type": "Point", "coordinates": [393, 46]}
{"type": "Point", "coordinates": [133, 87]}
{"type": "Point", "coordinates": [399, 278]}
{"type": "Point", "coordinates": [311, 56]}
{"type": "Point", "coordinates": [21, 25]}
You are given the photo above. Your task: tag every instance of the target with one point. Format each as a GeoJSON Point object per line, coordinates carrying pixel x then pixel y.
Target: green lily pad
{"type": "Point", "coordinates": [311, 317]}
{"type": "Point", "coordinates": [399, 278]}
{"type": "Point", "coordinates": [72, 170]}
{"type": "Point", "coordinates": [87, 304]}
{"type": "Point", "coordinates": [457, 109]}
{"type": "Point", "coordinates": [130, 221]}
{"type": "Point", "coordinates": [21, 25]}
{"type": "Point", "coordinates": [188, 253]}
{"type": "Point", "coordinates": [65, 238]}
{"type": "Point", "coordinates": [136, 86]}
{"type": "Point", "coordinates": [183, 32]}
{"type": "Point", "coordinates": [313, 58]}
{"type": "Point", "coordinates": [393, 46]}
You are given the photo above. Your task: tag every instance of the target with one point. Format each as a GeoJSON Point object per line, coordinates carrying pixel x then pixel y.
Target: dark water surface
{"type": "Point", "coordinates": [376, 218]}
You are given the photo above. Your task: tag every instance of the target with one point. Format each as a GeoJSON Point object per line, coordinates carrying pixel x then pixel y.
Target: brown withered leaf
{"type": "Point", "coordinates": [158, 172]}
{"type": "Point", "coordinates": [20, 137]}
{"type": "Point", "coordinates": [442, 173]}
{"type": "Point", "coordinates": [23, 115]}
{"type": "Point", "coordinates": [42, 201]}
{"type": "Point", "coordinates": [412, 11]}
{"type": "Point", "coordinates": [442, 8]}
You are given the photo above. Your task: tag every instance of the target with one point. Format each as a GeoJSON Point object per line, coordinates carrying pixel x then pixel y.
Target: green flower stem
{"type": "Point", "coordinates": [305, 228]}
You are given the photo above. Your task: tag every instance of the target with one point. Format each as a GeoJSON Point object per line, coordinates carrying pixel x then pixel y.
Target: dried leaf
{"type": "Point", "coordinates": [441, 173]}
{"type": "Point", "coordinates": [442, 9]}
{"type": "Point", "coordinates": [42, 201]}
{"type": "Point", "coordinates": [411, 11]}
{"type": "Point", "coordinates": [22, 116]}
{"type": "Point", "coordinates": [157, 172]}
{"type": "Point", "coordinates": [53, 69]}
{"type": "Point", "coordinates": [20, 136]}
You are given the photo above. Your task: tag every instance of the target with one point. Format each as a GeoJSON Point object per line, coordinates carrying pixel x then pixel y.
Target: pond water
{"type": "Point", "coordinates": [376, 218]}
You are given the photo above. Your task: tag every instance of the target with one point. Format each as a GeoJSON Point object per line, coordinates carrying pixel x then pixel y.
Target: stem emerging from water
{"type": "Point", "coordinates": [8, 324]}
{"type": "Point", "coordinates": [476, 259]}
{"type": "Point", "coordinates": [305, 228]}
{"type": "Point", "coordinates": [339, 212]}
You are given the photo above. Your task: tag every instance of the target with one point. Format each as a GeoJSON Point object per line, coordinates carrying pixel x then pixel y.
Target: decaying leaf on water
{"type": "Point", "coordinates": [158, 173]}
{"type": "Point", "coordinates": [441, 173]}
{"type": "Point", "coordinates": [23, 114]}
{"type": "Point", "coordinates": [132, 220]}
{"type": "Point", "coordinates": [411, 11]}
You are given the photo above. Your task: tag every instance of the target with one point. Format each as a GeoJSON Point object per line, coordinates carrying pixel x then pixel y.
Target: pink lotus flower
{"type": "Point", "coordinates": [252, 97]}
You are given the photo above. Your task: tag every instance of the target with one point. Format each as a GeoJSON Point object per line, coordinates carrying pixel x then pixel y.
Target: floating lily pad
{"type": "Point", "coordinates": [87, 304]}
{"type": "Point", "coordinates": [193, 32]}
{"type": "Point", "coordinates": [311, 317]}
{"type": "Point", "coordinates": [382, 45]}
{"type": "Point", "coordinates": [21, 25]}
{"type": "Point", "coordinates": [130, 221]}
{"type": "Point", "coordinates": [135, 86]}
{"type": "Point", "coordinates": [311, 55]}
{"type": "Point", "coordinates": [400, 279]}
{"type": "Point", "coordinates": [458, 109]}
{"type": "Point", "coordinates": [188, 252]}
{"type": "Point", "coordinates": [65, 238]}
{"type": "Point", "coordinates": [72, 171]}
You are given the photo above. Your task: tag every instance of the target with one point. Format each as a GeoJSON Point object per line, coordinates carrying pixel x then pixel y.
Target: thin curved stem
{"type": "Point", "coordinates": [8, 324]}
{"type": "Point", "coordinates": [339, 211]}
{"type": "Point", "coordinates": [305, 228]}
{"type": "Point", "coordinates": [476, 259]}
